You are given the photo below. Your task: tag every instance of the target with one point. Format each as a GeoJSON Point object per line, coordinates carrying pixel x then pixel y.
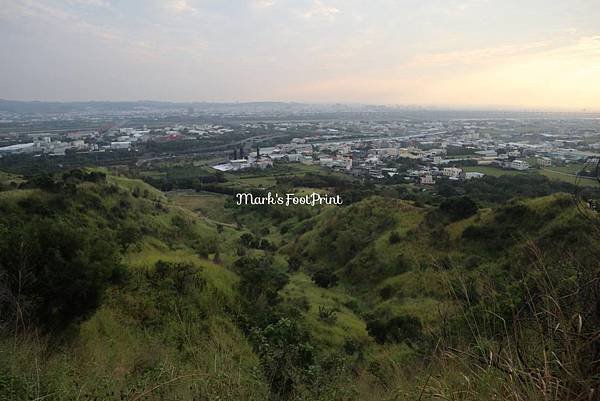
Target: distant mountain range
{"type": "Point", "coordinates": [42, 107]}
{"type": "Point", "coordinates": [271, 108]}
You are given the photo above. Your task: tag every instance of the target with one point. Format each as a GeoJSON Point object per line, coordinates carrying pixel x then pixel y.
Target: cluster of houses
{"type": "Point", "coordinates": [429, 176]}
{"type": "Point", "coordinates": [109, 139]}
{"type": "Point", "coordinates": [44, 145]}
{"type": "Point", "coordinates": [434, 155]}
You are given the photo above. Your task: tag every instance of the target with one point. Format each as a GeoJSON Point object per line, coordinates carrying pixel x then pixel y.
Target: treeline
{"type": "Point", "coordinates": [45, 164]}
{"type": "Point", "coordinates": [61, 244]}
{"type": "Point", "coordinates": [497, 190]}
{"type": "Point", "coordinates": [197, 183]}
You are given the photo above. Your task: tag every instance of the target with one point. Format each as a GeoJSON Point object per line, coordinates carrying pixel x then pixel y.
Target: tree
{"type": "Point", "coordinates": [325, 278]}
{"type": "Point", "coordinates": [459, 208]}
{"type": "Point", "coordinates": [396, 329]}
{"type": "Point", "coordinates": [56, 270]}
{"type": "Point", "coordinates": [394, 237]}
{"type": "Point", "coordinates": [259, 279]}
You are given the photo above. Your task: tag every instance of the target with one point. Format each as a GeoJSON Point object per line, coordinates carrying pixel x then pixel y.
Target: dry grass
{"type": "Point", "coordinates": [549, 352]}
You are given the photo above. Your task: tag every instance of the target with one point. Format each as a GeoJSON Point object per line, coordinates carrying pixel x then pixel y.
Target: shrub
{"type": "Point", "coordinates": [394, 237]}
{"type": "Point", "coordinates": [327, 315]}
{"type": "Point", "coordinates": [397, 329]}
{"type": "Point", "coordinates": [325, 278]}
{"type": "Point", "coordinates": [459, 208]}
{"type": "Point", "coordinates": [56, 271]}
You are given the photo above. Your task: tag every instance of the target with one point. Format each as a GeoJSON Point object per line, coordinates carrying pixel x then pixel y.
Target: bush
{"type": "Point", "coordinates": [259, 279]}
{"type": "Point", "coordinates": [397, 329]}
{"type": "Point", "coordinates": [394, 237]}
{"type": "Point", "coordinates": [325, 278]}
{"type": "Point", "coordinates": [55, 271]}
{"type": "Point", "coordinates": [327, 315]}
{"type": "Point", "coordinates": [459, 208]}
{"type": "Point", "coordinates": [294, 263]}
{"type": "Point", "coordinates": [286, 356]}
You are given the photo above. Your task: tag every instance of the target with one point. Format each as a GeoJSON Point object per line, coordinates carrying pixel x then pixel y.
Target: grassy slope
{"type": "Point", "coordinates": [132, 342]}
{"type": "Point", "coordinates": [423, 290]}
{"type": "Point", "coordinates": [565, 174]}
{"type": "Point", "coordinates": [135, 340]}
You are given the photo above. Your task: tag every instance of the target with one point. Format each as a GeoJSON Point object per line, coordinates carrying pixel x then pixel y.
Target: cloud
{"type": "Point", "coordinates": [95, 3]}
{"type": "Point", "coordinates": [56, 17]}
{"type": "Point", "coordinates": [394, 51]}
{"type": "Point", "coordinates": [321, 10]}
{"type": "Point", "coordinates": [263, 3]}
{"type": "Point", "coordinates": [562, 77]}
{"type": "Point", "coordinates": [181, 7]}
{"type": "Point", "coordinates": [530, 75]}
{"type": "Point", "coordinates": [477, 56]}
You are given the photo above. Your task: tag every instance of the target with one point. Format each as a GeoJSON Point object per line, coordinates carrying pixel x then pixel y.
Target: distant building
{"type": "Point", "coordinates": [120, 145]}
{"type": "Point", "coordinates": [294, 157]}
{"type": "Point", "coordinates": [326, 161]}
{"type": "Point", "coordinates": [223, 167]}
{"type": "Point", "coordinates": [19, 148]}
{"type": "Point", "coordinates": [387, 152]}
{"type": "Point", "coordinates": [473, 174]}
{"type": "Point", "coordinates": [516, 165]}
{"type": "Point", "coordinates": [237, 163]}
{"type": "Point", "coordinates": [452, 172]}
{"type": "Point", "coordinates": [487, 153]}
{"type": "Point", "coordinates": [306, 160]}
{"type": "Point", "coordinates": [544, 162]}
{"type": "Point", "coordinates": [264, 162]}
{"type": "Point", "coordinates": [427, 180]}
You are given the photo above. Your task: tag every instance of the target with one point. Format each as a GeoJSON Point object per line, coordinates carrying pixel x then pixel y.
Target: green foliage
{"type": "Point", "coordinates": [325, 278]}
{"type": "Point", "coordinates": [512, 222]}
{"type": "Point", "coordinates": [260, 281]}
{"type": "Point", "coordinates": [500, 189]}
{"type": "Point", "coordinates": [374, 286]}
{"type": "Point", "coordinates": [250, 241]}
{"type": "Point", "coordinates": [458, 208]}
{"type": "Point", "coordinates": [53, 272]}
{"type": "Point", "coordinates": [286, 356]}
{"type": "Point", "coordinates": [328, 315]}
{"type": "Point", "coordinates": [394, 329]}
{"type": "Point", "coordinates": [345, 232]}
{"type": "Point", "coordinates": [394, 237]}
{"type": "Point", "coordinates": [294, 263]}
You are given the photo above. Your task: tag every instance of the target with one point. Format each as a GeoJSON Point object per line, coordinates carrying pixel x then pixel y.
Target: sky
{"type": "Point", "coordinates": [532, 54]}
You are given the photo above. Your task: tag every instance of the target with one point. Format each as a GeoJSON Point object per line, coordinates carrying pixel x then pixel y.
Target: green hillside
{"type": "Point", "coordinates": [113, 291]}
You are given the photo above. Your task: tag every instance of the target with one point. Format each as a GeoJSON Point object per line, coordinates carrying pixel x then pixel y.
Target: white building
{"type": "Point", "coordinates": [294, 157]}
{"type": "Point", "coordinates": [427, 179]}
{"type": "Point", "coordinates": [306, 160]}
{"type": "Point", "coordinates": [326, 161]}
{"type": "Point", "coordinates": [487, 153]}
{"type": "Point", "coordinates": [517, 165]}
{"type": "Point", "coordinates": [237, 163]}
{"type": "Point", "coordinates": [387, 152]}
{"type": "Point", "coordinates": [544, 161]}
{"type": "Point", "coordinates": [264, 162]}
{"type": "Point", "coordinates": [452, 172]}
{"type": "Point", "coordinates": [19, 148]}
{"type": "Point", "coordinates": [473, 174]}
{"type": "Point", "coordinates": [120, 145]}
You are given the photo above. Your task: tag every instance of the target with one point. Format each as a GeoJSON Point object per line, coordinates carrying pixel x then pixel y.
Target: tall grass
{"type": "Point", "coordinates": [549, 349]}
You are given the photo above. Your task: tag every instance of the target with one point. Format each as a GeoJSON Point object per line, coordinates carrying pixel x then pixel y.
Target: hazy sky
{"type": "Point", "coordinates": [531, 53]}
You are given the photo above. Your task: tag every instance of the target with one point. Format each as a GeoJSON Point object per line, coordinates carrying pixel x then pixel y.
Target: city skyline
{"type": "Point", "coordinates": [469, 53]}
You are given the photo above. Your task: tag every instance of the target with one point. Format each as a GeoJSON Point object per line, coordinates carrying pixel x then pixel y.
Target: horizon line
{"type": "Point", "coordinates": [454, 107]}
